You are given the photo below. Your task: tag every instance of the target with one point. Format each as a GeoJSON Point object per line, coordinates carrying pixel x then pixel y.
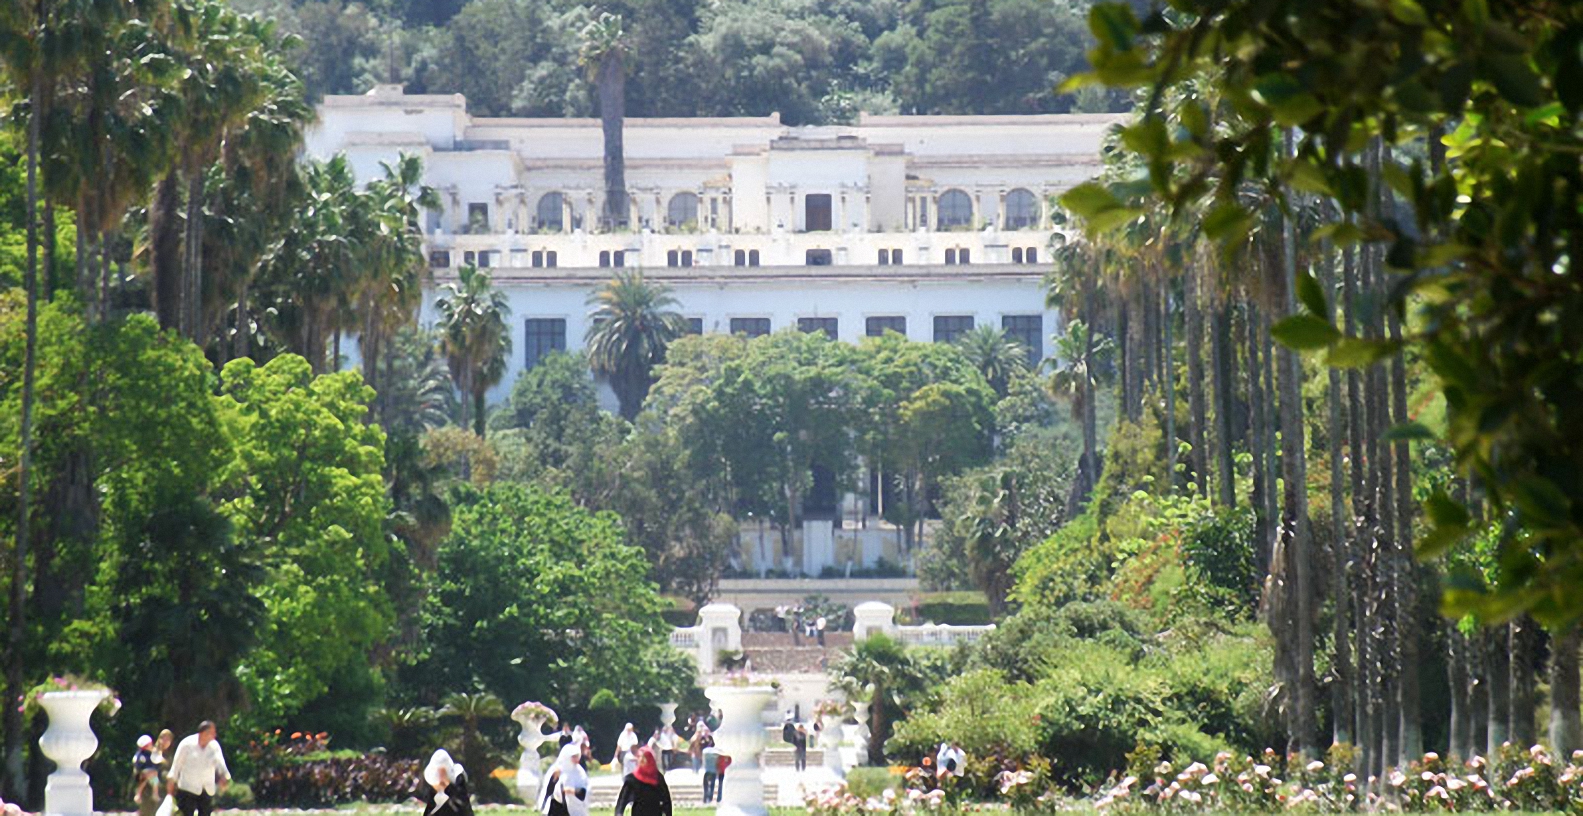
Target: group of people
{"type": "Point", "coordinates": [186, 781]}
{"type": "Point", "coordinates": [802, 624]}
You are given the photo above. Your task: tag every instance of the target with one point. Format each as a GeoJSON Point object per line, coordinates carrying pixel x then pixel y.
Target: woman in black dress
{"type": "Point", "coordinates": [645, 789]}
{"type": "Point", "coordinates": [444, 787]}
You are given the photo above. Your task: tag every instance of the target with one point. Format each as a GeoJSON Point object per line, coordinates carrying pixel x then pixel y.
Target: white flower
{"type": "Point", "coordinates": [1210, 779]}
{"type": "Point", "coordinates": [1316, 766]}
{"type": "Point", "coordinates": [1192, 796]}
{"type": "Point", "coordinates": [1398, 779]}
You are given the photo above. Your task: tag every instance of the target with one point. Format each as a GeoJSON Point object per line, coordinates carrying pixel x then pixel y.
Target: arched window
{"type": "Point", "coordinates": [1022, 210]}
{"type": "Point", "coordinates": [549, 212]}
{"type": "Point", "coordinates": [956, 209]}
{"type": "Point", "coordinates": [682, 211]}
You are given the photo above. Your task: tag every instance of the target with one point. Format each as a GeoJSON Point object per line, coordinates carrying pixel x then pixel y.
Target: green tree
{"type": "Point", "coordinates": [305, 490]}
{"type": "Point", "coordinates": [473, 322]}
{"type": "Point", "coordinates": [534, 598]}
{"type": "Point", "coordinates": [632, 324]}
{"type": "Point", "coordinates": [928, 414]}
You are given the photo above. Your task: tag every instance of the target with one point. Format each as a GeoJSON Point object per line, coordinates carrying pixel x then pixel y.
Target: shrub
{"type": "Point", "coordinates": [868, 782]}
{"type": "Point", "coordinates": [328, 782]}
{"type": "Point", "coordinates": [1071, 565]}
{"type": "Point", "coordinates": [1218, 552]}
{"type": "Point", "coordinates": [955, 608]}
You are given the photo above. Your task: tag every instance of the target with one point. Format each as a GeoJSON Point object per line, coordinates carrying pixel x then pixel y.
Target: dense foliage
{"type": "Point", "coordinates": [811, 62]}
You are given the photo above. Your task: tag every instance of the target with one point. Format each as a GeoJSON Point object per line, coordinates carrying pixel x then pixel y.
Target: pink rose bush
{"type": "Point", "coordinates": [1514, 779]}
{"type": "Point", "coordinates": [837, 800]}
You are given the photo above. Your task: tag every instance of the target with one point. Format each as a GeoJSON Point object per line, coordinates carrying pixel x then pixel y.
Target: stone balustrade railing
{"type": "Point", "coordinates": [941, 634]}
{"type": "Point", "coordinates": [687, 638]}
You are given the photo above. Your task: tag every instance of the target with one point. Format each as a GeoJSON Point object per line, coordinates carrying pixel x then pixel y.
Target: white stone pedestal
{"type": "Point", "coordinates": [741, 737]}
{"type": "Point", "coordinates": [69, 742]}
{"type": "Point", "coordinates": [530, 766]}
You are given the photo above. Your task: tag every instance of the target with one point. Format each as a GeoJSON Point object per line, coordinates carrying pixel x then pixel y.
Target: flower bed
{"type": "Point", "coordinates": [1514, 779]}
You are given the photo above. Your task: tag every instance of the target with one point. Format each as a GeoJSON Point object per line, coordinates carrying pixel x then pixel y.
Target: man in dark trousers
{"type": "Point", "coordinates": [198, 774]}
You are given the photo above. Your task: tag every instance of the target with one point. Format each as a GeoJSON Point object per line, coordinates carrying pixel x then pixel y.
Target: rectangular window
{"type": "Point", "coordinates": [604, 257]}
{"type": "Point", "coordinates": [950, 256]}
{"type": "Point", "coordinates": [470, 258]}
{"type": "Point", "coordinates": [949, 327]}
{"type": "Point", "coordinates": [544, 335]}
{"type": "Point", "coordinates": [1027, 330]}
{"type": "Point", "coordinates": [549, 259]}
{"type": "Point", "coordinates": [895, 257]}
{"type": "Point", "coordinates": [695, 325]}
{"type": "Point", "coordinates": [753, 257]}
{"type": "Point", "coordinates": [538, 258]}
{"type": "Point", "coordinates": [818, 257]}
{"type": "Point", "coordinates": [962, 256]}
{"type": "Point", "coordinates": [740, 257]}
{"type": "Point", "coordinates": [673, 258]}
{"type": "Point", "coordinates": [1031, 256]}
{"type": "Point", "coordinates": [620, 257]}
{"type": "Point", "coordinates": [477, 217]}
{"type": "Point", "coordinates": [750, 326]}
{"type": "Point", "coordinates": [877, 326]}
{"type": "Point", "coordinates": [923, 212]}
{"type": "Point", "coordinates": [439, 259]}
{"type": "Point", "coordinates": [816, 212]}
{"type": "Point", "coordinates": [1016, 254]}
{"type": "Point", "coordinates": [687, 257]}
{"type": "Point", "coordinates": [884, 257]}
{"type": "Point", "coordinates": [828, 325]}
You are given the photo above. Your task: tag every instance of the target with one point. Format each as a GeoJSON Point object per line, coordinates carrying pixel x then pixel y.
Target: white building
{"type": "Point", "coordinates": [927, 225]}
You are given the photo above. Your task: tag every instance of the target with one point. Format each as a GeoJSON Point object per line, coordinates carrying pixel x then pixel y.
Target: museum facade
{"type": "Point", "coordinates": [925, 225]}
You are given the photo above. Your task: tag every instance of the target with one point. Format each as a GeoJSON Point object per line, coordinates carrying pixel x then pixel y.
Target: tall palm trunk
{"type": "Point", "coordinates": [1224, 360]}
{"type": "Point", "coordinates": [612, 113]}
{"type": "Point", "coordinates": [17, 611]}
{"type": "Point", "coordinates": [1168, 376]}
{"type": "Point", "coordinates": [1300, 539]}
{"type": "Point", "coordinates": [1497, 663]}
{"type": "Point", "coordinates": [165, 254]}
{"type": "Point", "coordinates": [1566, 725]}
{"type": "Point", "coordinates": [1459, 680]}
{"type": "Point", "coordinates": [1526, 640]}
{"type": "Point", "coordinates": [1256, 421]}
{"type": "Point", "coordinates": [1340, 564]}
{"type": "Point", "coordinates": [1199, 456]}
{"type": "Point", "coordinates": [192, 314]}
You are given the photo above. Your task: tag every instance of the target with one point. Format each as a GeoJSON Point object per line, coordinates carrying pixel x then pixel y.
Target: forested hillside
{"type": "Point", "coordinates": [814, 61]}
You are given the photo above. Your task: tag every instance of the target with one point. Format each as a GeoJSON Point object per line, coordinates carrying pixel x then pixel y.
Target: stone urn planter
{"type": "Point", "coordinates": [860, 713]}
{"type": "Point", "coordinates": [830, 729]}
{"type": "Point", "coordinates": [69, 742]}
{"type": "Point", "coordinates": [741, 737]}
{"type": "Point", "coordinates": [532, 717]}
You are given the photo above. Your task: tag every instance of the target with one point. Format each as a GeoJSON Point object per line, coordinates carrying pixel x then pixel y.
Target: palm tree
{"type": "Point", "coordinates": [603, 56]}
{"type": "Point", "coordinates": [989, 527]}
{"type": "Point", "coordinates": [628, 334]}
{"type": "Point", "coordinates": [1078, 355]}
{"type": "Point", "coordinates": [997, 356]}
{"type": "Point", "coordinates": [476, 341]}
{"type": "Point", "coordinates": [393, 267]}
{"type": "Point", "coordinates": [880, 669]}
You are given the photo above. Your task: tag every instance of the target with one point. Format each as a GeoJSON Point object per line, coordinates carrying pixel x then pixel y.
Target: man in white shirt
{"type": "Point", "coordinates": [198, 773]}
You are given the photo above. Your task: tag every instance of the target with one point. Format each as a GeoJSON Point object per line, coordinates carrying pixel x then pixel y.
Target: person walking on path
{"type": "Point", "coordinates": [145, 773]}
{"type": "Point", "coordinates": [711, 758]}
{"type": "Point", "coordinates": [645, 789]}
{"type": "Point", "coordinates": [444, 788]}
{"type": "Point", "coordinates": [800, 742]}
{"type": "Point", "coordinates": [198, 773]}
{"type": "Point", "coordinates": [566, 785]}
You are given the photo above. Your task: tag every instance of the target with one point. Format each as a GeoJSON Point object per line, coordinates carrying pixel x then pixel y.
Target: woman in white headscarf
{"type": "Point", "coordinates": [565, 790]}
{"type": "Point", "coordinates": [444, 789]}
{"type": "Point", "coordinates": [624, 747]}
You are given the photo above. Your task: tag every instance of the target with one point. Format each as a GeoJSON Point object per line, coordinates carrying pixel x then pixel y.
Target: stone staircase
{"type": "Point", "coordinates": [779, 653]}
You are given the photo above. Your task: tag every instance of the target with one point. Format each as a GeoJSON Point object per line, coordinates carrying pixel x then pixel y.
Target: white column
{"type": "Point", "coordinates": [873, 617]}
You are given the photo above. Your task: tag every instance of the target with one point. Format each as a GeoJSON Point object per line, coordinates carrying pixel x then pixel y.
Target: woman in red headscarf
{"type": "Point", "coordinates": [644, 789]}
